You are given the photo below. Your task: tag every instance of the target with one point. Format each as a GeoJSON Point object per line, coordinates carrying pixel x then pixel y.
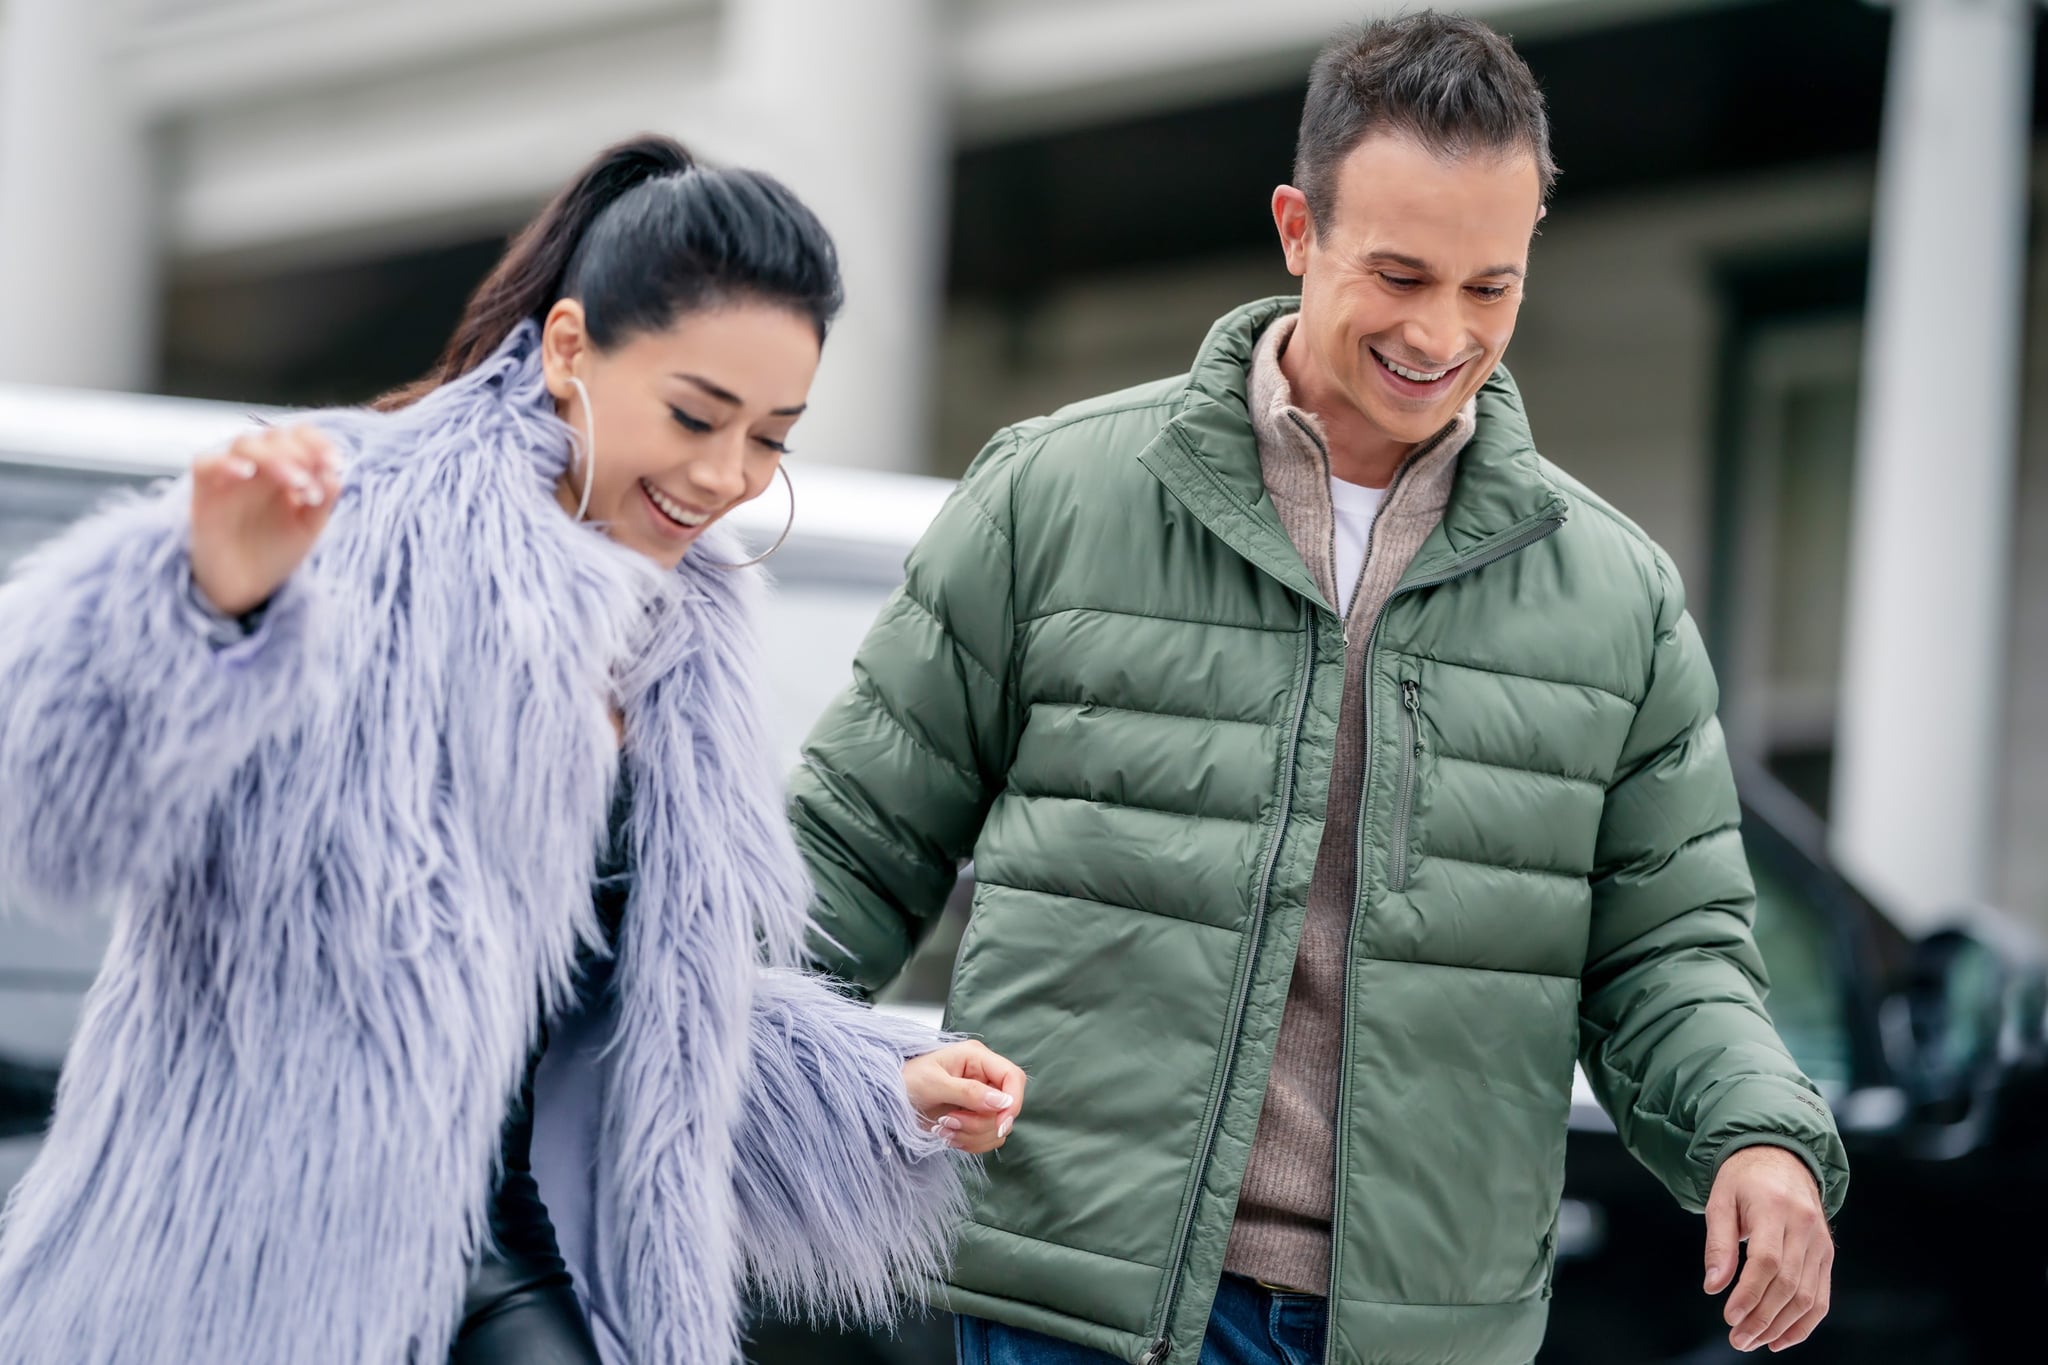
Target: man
{"type": "Point", "coordinates": [1336, 770]}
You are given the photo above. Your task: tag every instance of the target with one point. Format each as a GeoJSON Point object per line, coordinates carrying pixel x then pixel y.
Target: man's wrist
{"type": "Point", "coordinates": [1755, 1149]}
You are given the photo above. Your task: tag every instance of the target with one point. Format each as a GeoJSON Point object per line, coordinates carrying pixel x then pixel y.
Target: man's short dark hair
{"type": "Point", "coordinates": [1451, 83]}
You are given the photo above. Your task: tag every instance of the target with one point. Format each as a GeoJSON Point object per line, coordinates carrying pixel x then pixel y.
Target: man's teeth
{"type": "Point", "coordinates": [672, 509]}
{"type": "Point", "coordinates": [1417, 375]}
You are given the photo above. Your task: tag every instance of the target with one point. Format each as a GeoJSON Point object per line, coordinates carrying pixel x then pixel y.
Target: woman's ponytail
{"type": "Point", "coordinates": [528, 281]}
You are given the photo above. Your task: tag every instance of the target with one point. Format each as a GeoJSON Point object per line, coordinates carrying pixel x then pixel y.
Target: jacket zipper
{"type": "Point", "coordinates": [1500, 551]}
{"type": "Point", "coordinates": [1411, 706]}
{"type": "Point", "coordinates": [1156, 1353]}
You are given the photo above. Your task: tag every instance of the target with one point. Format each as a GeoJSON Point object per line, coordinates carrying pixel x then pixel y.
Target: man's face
{"type": "Point", "coordinates": [1411, 287]}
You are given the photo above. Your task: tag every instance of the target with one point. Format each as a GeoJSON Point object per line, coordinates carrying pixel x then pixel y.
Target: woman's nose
{"type": "Point", "coordinates": [721, 476]}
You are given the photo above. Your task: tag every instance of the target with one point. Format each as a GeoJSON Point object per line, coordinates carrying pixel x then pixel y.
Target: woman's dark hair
{"type": "Point", "coordinates": [640, 237]}
{"type": "Point", "coordinates": [1451, 83]}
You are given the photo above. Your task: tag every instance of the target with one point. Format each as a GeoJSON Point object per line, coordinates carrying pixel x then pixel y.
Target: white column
{"type": "Point", "coordinates": [78, 250]}
{"type": "Point", "coordinates": [846, 102]}
{"type": "Point", "coordinates": [1918, 744]}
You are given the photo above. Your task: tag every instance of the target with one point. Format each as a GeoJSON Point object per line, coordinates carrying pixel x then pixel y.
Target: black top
{"type": "Point", "coordinates": [519, 1219]}
{"type": "Point", "coordinates": [611, 887]}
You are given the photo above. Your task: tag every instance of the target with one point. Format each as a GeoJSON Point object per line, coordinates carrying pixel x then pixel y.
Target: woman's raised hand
{"type": "Point", "coordinates": [968, 1093]}
{"type": "Point", "coordinates": [257, 508]}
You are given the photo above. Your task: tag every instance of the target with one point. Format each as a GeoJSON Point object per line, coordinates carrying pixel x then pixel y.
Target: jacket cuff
{"type": "Point", "coordinates": [1783, 1143]}
{"type": "Point", "coordinates": [219, 629]}
{"type": "Point", "coordinates": [1772, 1111]}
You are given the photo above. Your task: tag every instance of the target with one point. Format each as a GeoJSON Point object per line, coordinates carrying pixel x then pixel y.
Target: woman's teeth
{"type": "Point", "coordinates": [1419, 376]}
{"type": "Point", "coordinates": [672, 509]}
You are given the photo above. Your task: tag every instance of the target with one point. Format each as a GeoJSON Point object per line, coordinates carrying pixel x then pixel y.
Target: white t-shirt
{"type": "Point", "coordinates": [1356, 506]}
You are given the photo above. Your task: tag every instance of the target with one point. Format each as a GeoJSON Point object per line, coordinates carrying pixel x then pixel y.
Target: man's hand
{"type": "Point", "coordinates": [967, 1092]}
{"type": "Point", "coordinates": [1766, 1196]}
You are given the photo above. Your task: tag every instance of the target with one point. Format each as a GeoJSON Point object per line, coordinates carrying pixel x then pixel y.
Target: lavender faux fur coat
{"type": "Point", "coordinates": [350, 859]}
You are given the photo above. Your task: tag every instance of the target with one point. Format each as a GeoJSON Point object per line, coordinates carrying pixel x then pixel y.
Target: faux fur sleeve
{"type": "Point", "coordinates": [123, 709]}
{"type": "Point", "coordinates": [846, 1205]}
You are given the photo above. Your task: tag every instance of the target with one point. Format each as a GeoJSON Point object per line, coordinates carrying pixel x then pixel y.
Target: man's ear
{"type": "Point", "coordinates": [1296, 225]}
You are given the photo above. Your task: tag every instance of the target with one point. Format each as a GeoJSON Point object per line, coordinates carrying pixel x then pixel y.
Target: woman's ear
{"type": "Point", "coordinates": [563, 342]}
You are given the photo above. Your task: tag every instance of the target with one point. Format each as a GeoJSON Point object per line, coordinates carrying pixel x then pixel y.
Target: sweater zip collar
{"type": "Point", "coordinates": [1207, 456]}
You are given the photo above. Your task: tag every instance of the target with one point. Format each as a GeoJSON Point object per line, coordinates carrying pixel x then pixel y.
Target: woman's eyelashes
{"type": "Point", "coordinates": [698, 427]}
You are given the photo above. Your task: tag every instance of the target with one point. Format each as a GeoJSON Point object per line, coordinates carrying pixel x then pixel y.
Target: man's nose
{"type": "Point", "coordinates": [1434, 331]}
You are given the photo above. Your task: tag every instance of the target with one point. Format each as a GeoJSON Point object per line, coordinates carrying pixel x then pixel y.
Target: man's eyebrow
{"type": "Point", "coordinates": [1423, 267]}
{"type": "Point", "coordinates": [725, 395]}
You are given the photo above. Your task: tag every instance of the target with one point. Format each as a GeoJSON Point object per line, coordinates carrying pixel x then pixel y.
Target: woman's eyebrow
{"type": "Point", "coordinates": [725, 395]}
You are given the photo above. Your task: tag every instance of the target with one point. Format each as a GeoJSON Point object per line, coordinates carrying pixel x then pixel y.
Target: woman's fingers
{"type": "Point", "coordinates": [975, 1133]}
{"type": "Point", "coordinates": [998, 1072]}
{"type": "Point", "coordinates": [962, 1127]}
{"type": "Point", "coordinates": [973, 1096]}
{"type": "Point", "coordinates": [300, 461]}
{"type": "Point", "coordinates": [257, 507]}
{"type": "Point", "coordinates": [223, 468]}
{"type": "Point", "coordinates": [976, 1146]}
{"type": "Point", "coordinates": [1012, 1086]}
{"type": "Point", "coordinates": [967, 1092]}
{"type": "Point", "coordinates": [1006, 1076]}
{"type": "Point", "coordinates": [938, 1083]}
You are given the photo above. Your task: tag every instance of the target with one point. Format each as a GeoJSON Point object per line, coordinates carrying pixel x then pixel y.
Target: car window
{"type": "Point", "coordinates": [1806, 1000]}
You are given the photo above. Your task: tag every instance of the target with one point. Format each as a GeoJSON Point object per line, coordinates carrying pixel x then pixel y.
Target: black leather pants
{"type": "Point", "coordinates": [521, 1308]}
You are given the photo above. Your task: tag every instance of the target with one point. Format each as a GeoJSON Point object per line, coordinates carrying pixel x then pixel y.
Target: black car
{"type": "Point", "coordinates": [1931, 1051]}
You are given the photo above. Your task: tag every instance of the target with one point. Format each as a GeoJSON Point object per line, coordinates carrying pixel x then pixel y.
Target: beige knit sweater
{"type": "Point", "coordinates": [1282, 1233]}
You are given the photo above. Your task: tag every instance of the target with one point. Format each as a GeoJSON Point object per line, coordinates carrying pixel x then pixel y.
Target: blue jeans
{"type": "Point", "coordinates": [1249, 1325]}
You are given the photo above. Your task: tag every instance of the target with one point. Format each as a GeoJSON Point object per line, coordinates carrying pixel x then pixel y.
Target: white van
{"type": "Point", "coordinates": [63, 451]}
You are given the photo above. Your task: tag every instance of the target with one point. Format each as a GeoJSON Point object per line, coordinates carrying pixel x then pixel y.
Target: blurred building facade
{"type": "Point", "coordinates": [1786, 312]}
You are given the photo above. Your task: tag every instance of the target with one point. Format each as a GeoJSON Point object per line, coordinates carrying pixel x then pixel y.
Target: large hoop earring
{"type": "Point", "coordinates": [589, 446]}
{"type": "Point", "coordinates": [790, 484]}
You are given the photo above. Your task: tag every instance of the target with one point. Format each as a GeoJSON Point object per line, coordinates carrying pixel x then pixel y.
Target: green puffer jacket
{"type": "Point", "coordinates": [1110, 680]}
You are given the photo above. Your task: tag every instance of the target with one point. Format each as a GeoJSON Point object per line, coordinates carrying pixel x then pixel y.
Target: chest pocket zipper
{"type": "Point", "coordinates": [1404, 802]}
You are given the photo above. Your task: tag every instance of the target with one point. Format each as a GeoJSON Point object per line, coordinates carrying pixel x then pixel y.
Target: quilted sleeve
{"type": "Point", "coordinates": [1675, 1039]}
{"type": "Point", "coordinates": [899, 773]}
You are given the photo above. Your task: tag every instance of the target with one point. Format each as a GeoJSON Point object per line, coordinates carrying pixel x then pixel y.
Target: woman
{"type": "Point", "coordinates": [343, 725]}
